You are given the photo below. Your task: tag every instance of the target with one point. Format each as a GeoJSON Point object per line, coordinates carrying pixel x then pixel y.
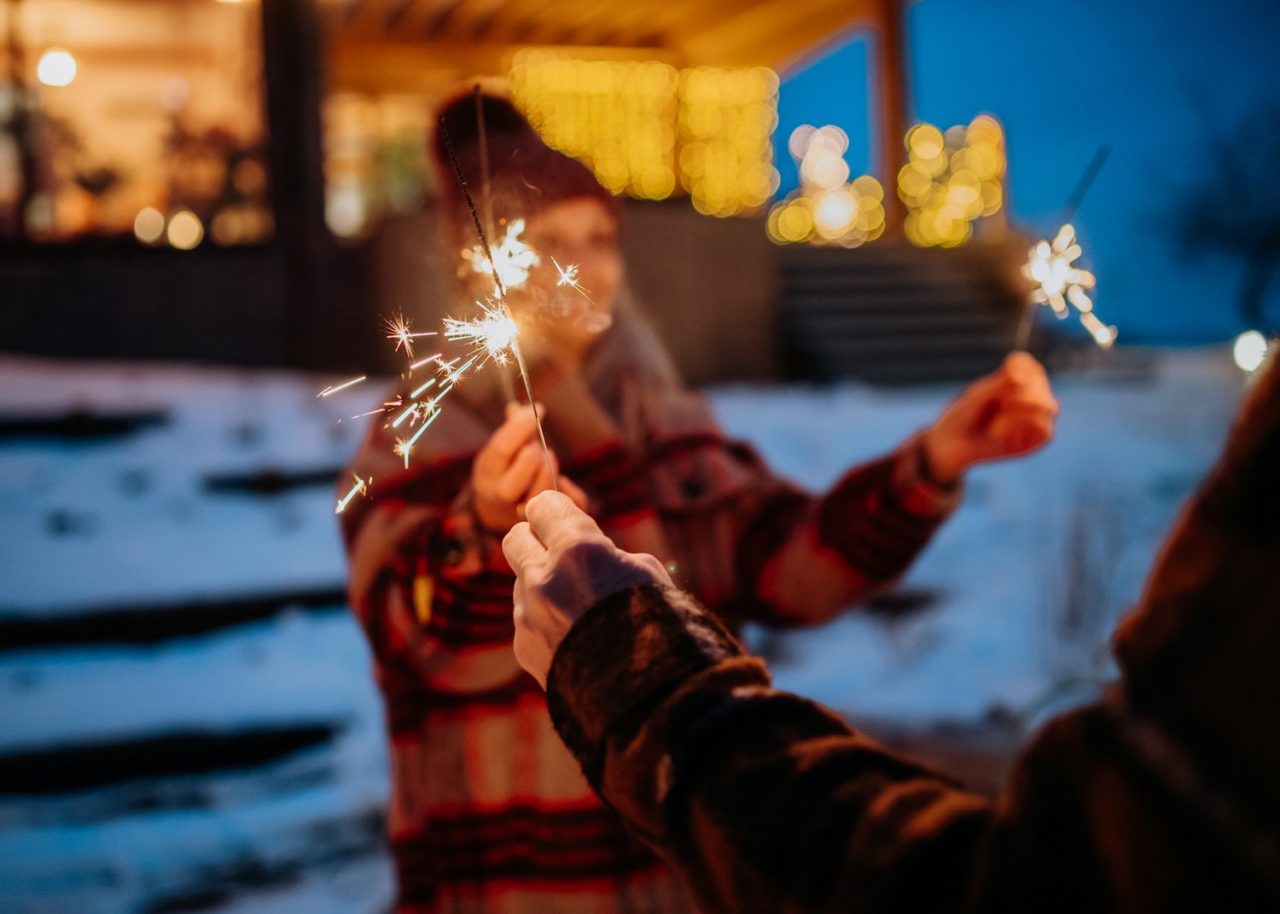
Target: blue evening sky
{"type": "Point", "coordinates": [1151, 79]}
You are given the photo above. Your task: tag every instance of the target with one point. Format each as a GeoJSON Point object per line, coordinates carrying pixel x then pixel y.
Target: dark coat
{"type": "Point", "coordinates": [1164, 796]}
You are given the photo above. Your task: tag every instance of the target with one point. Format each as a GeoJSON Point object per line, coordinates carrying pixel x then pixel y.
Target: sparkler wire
{"type": "Point", "coordinates": [502, 291]}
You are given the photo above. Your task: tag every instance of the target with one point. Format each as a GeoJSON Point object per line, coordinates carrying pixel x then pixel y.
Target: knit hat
{"type": "Point", "coordinates": [525, 174]}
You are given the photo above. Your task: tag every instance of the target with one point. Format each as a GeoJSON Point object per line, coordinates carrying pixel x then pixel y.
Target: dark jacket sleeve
{"type": "Point", "coordinates": [766, 801]}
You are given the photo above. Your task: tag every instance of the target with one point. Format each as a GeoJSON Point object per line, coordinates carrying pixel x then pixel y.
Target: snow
{"type": "Point", "coordinates": [1028, 578]}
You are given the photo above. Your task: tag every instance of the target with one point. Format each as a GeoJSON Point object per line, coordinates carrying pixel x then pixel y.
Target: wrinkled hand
{"type": "Point", "coordinates": [564, 565]}
{"type": "Point", "coordinates": [1007, 413]}
{"type": "Point", "coordinates": [511, 468]}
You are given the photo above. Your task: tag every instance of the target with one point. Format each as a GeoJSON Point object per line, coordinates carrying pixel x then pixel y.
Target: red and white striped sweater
{"type": "Point", "coordinates": [489, 812]}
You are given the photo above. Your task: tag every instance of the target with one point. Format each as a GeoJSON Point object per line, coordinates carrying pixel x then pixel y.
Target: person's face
{"type": "Point", "coordinates": [579, 232]}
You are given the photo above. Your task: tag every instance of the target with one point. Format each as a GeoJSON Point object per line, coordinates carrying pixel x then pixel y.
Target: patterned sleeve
{"type": "Point", "coordinates": [427, 582]}
{"type": "Point", "coordinates": [802, 559]}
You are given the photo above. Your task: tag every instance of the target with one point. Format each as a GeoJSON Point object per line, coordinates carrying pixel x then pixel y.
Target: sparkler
{"type": "Point", "coordinates": [334, 388]}
{"type": "Point", "coordinates": [398, 329]}
{"type": "Point", "coordinates": [568, 276]}
{"type": "Point", "coordinates": [1052, 266]}
{"type": "Point", "coordinates": [511, 260]}
{"type": "Point", "coordinates": [1062, 286]}
{"type": "Point", "coordinates": [361, 486]}
{"type": "Point", "coordinates": [494, 334]}
{"type": "Point", "coordinates": [514, 337]}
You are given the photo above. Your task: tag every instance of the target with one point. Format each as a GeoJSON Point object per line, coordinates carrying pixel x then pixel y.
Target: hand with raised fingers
{"type": "Point", "coordinates": [564, 565]}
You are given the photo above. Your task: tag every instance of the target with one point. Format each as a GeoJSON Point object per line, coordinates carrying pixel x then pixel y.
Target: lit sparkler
{"type": "Point", "coordinates": [1062, 285]}
{"type": "Point", "coordinates": [361, 486]}
{"type": "Point", "coordinates": [511, 259]}
{"type": "Point", "coordinates": [494, 332]}
{"type": "Point", "coordinates": [568, 276]}
{"type": "Point", "coordinates": [494, 335]}
{"type": "Point", "coordinates": [334, 388]}
{"type": "Point", "coordinates": [501, 295]}
{"type": "Point", "coordinates": [399, 329]}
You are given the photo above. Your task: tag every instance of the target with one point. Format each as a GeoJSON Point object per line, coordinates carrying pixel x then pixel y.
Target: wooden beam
{"type": "Point", "coordinates": [369, 17]}
{"type": "Point", "coordinates": [466, 19]}
{"type": "Point", "coordinates": [293, 72]}
{"type": "Point", "coordinates": [570, 16]}
{"type": "Point", "coordinates": [362, 65]}
{"type": "Point", "coordinates": [891, 83]}
{"type": "Point", "coordinates": [416, 18]}
{"type": "Point", "coordinates": [515, 23]}
{"type": "Point", "coordinates": [776, 33]}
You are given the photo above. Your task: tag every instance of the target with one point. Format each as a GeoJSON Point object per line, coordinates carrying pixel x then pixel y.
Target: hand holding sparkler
{"type": "Point", "coordinates": [510, 469]}
{"type": "Point", "coordinates": [1007, 413]}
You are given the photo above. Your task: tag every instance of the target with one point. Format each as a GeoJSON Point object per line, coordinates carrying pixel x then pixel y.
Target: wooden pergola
{"type": "Point", "coordinates": [427, 47]}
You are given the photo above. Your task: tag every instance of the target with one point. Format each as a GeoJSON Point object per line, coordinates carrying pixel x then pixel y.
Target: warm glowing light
{"type": "Point", "coordinates": [1250, 350]}
{"type": "Point", "coordinates": [57, 68]}
{"type": "Point", "coordinates": [828, 208]}
{"type": "Point", "coordinates": [361, 486]}
{"type": "Point", "coordinates": [1062, 285]}
{"type": "Point", "coordinates": [334, 388]}
{"type": "Point", "coordinates": [185, 230]}
{"type": "Point", "coordinates": [148, 225]}
{"type": "Point", "coordinates": [647, 129]}
{"type": "Point", "coordinates": [494, 331]}
{"type": "Point", "coordinates": [512, 258]}
{"type": "Point", "coordinates": [400, 329]}
{"type": "Point", "coordinates": [952, 178]}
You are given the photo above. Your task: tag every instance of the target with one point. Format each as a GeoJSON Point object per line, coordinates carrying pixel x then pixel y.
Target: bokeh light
{"type": "Point", "coordinates": [57, 67]}
{"type": "Point", "coordinates": [148, 225]}
{"type": "Point", "coordinates": [952, 179]}
{"type": "Point", "coordinates": [185, 230]}
{"type": "Point", "coordinates": [648, 130]}
{"type": "Point", "coordinates": [828, 208]}
{"type": "Point", "coordinates": [1250, 350]}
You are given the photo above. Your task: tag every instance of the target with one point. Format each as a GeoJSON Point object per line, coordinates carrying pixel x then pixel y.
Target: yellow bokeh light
{"type": "Point", "coordinates": [924, 141]}
{"type": "Point", "coordinates": [828, 208]}
{"type": "Point", "coordinates": [647, 129]}
{"type": "Point", "coordinates": [148, 225]}
{"type": "Point", "coordinates": [185, 230]}
{"type": "Point", "coordinates": [951, 179]}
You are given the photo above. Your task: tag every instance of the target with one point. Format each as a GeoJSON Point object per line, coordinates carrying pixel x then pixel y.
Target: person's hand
{"type": "Point", "coordinates": [510, 469]}
{"type": "Point", "coordinates": [564, 565]}
{"type": "Point", "coordinates": [1007, 413]}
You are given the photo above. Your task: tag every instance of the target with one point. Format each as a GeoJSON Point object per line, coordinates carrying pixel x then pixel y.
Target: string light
{"type": "Point", "coordinates": [828, 208]}
{"type": "Point", "coordinates": [648, 130]}
{"type": "Point", "coordinates": [951, 180]}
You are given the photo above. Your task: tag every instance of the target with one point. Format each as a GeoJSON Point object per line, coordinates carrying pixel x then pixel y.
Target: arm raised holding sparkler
{"type": "Point", "coordinates": [807, 559]}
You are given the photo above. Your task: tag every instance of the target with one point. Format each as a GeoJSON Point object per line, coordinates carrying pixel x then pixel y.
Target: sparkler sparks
{"type": "Point", "coordinates": [360, 487]}
{"type": "Point", "coordinates": [511, 259]}
{"type": "Point", "coordinates": [334, 388]}
{"type": "Point", "coordinates": [494, 332]}
{"type": "Point", "coordinates": [568, 276]}
{"type": "Point", "coordinates": [399, 329]}
{"type": "Point", "coordinates": [494, 335]}
{"type": "Point", "coordinates": [1061, 285]}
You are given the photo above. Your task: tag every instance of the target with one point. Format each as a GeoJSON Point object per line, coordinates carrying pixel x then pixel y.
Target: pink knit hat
{"type": "Point", "coordinates": [526, 175]}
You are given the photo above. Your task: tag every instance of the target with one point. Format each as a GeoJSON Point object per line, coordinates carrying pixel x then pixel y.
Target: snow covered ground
{"type": "Point", "coordinates": [1018, 592]}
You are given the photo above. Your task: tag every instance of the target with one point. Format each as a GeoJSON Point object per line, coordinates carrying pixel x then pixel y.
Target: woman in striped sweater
{"type": "Point", "coordinates": [489, 812]}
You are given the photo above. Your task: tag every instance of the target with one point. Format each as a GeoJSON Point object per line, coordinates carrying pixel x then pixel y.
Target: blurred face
{"type": "Point", "coordinates": [580, 232]}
